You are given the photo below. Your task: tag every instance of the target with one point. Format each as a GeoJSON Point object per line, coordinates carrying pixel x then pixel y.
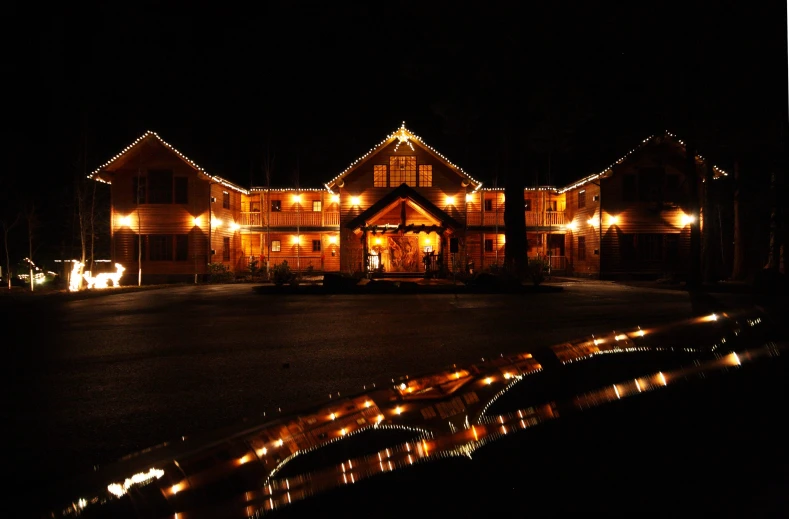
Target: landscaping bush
{"type": "Point", "coordinates": [281, 274]}
{"type": "Point", "coordinates": [537, 269]}
{"type": "Point", "coordinates": [219, 273]}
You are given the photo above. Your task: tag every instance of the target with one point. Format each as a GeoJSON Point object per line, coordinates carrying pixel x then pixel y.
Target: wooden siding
{"type": "Point", "coordinates": [191, 218]}
{"type": "Point", "coordinates": [578, 218]}
{"type": "Point", "coordinates": [626, 216]}
{"type": "Point", "coordinates": [292, 213]}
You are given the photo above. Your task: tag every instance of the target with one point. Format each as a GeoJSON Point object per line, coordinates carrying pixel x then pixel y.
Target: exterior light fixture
{"type": "Point", "coordinates": [687, 219]}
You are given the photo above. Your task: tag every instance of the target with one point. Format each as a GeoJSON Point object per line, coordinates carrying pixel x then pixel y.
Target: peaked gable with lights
{"type": "Point", "coordinates": [667, 136]}
{"type": "Point", "coordinates": [403, 151]}
{"type": "Point", "coordinates": [104, 173]}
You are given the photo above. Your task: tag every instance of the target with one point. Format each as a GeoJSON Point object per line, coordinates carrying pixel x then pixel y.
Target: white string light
{"type": "Point", "coordinates": [643, 143]}
{"type": "Point", "coordinates": [402, 134]}
{"type": "Point", "coordinates": [218, 180]}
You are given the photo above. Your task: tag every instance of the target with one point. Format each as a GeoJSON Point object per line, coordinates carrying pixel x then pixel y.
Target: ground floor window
{"type": "Point", "coordinates": [276, 246]}
{"type": "Point", "coordinates": [161, 247]}
{"type": "Point", "coordinates": [225, 249]}
{"type": "Point", "coordinates": [581, 248]}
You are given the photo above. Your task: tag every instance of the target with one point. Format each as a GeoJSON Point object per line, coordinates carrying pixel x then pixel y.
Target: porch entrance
{"type": "Point", "coordinates": [398, 253]}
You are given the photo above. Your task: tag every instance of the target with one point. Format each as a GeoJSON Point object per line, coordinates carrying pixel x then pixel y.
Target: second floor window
{"type": "Point", "coordinates": [488, 205]}
{"type": "Point", "coordinates": [379, 175]}
{"type": "Point", "coordinates": [582, 198]}
{"type": "Point", "coordinates": [225, 200]}
{"type": "Point", "coordinates": [160, 186]}
{"type": "Point", "coordinates": [181, 190]}
{"type": "Point", "coordinates": [316, 206]}
{"type": "Point", "coordinates": [425, 175]}
{"type": "Point", "coordinates": [276, 206]}
{"type": "Point", "coordinates": [402, 169]}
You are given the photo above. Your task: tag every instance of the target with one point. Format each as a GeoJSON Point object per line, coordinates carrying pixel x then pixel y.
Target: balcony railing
{"type": "Point", "coordinates": [533, 219]}
{"type": "Point", "coordinates": [291, 219]}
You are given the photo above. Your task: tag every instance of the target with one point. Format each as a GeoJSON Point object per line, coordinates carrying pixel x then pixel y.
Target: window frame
{"type": "Point", "coordinates": [226, 246]}
{"type": "Point", "coordinates": [428, 169]}
{"type": "Point", "coordinates": [378, 170]}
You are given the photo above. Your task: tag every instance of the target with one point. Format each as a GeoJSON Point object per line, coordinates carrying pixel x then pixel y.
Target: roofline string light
{"type": "Point", "coordinates": [217, 179]}
{"type": "Point", "coordinates": [402, 134]}
{"type": "Point", "coordinates": [610, 168]}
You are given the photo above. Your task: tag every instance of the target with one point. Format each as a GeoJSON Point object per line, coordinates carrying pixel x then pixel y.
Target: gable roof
{"type": "Point", "coordinates": [153, 135]}
{"type": "Point", "coordinates": [403, 191]}
{"type": "Point", "coordinates": [405, 137]}
{"type": "Point", "coordinates": [717, 172]}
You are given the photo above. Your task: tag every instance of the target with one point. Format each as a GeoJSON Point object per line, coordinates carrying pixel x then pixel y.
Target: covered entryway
{"type": "Point", "coordinates": [404, 233]}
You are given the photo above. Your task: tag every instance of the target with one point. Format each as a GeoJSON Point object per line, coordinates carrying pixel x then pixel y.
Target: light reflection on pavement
{"type": "Point", "coordinates": [448, 412]}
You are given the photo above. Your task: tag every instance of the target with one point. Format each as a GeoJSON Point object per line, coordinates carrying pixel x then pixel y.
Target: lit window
{"type": "Point", "coordinates": [402, 170]}
{"type": "Point", "coordinates": [276, 246]}
{"type": "Point", "coordinates": [425, 175]}
{"type": "Point", "coordinates": [379, 175]}
{"type": "Point", "coordinates": [316, 206]}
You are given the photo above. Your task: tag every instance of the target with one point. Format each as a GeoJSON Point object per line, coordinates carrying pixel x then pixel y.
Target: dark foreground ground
{"type": "Point", "coordinates": [95, 379]}
{"type": "Point", "coordinates": [708, 448]}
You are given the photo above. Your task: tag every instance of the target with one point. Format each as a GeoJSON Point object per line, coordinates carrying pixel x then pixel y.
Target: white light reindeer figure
{"type": "Point", "coordinates": [100, 281]}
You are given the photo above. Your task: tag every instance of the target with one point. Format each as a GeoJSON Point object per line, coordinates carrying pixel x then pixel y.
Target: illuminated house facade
{"type": "Point", "coordinates": [401, 209]}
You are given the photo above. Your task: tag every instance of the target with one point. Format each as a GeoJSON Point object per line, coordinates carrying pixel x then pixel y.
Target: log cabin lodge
{"type": "Point", "coordinates": [397, 210]}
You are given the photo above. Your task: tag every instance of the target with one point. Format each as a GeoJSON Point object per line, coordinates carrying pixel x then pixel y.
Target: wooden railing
{"type": "Point", "coordinates": [291, 219]}
{"type": "Point", "coordinates": [303, 262]}
{"type": "Point", "coordinates": [546, 219]}
{"type": "Point", "coordinates": [533, 219]}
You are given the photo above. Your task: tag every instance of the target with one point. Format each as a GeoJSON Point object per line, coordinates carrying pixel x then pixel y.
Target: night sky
{"type": "Point", "coordinates": [320, 86]}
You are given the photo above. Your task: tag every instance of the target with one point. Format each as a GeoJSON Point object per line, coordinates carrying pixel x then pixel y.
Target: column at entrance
{"type": "Point", "coordinates": [365, 252]}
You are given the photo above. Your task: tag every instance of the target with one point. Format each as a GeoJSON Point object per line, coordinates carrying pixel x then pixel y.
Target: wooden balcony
{"type": "Point", "coordinates": [291, 219]}
{"type": "Point", "coordinates": [533, 219]}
